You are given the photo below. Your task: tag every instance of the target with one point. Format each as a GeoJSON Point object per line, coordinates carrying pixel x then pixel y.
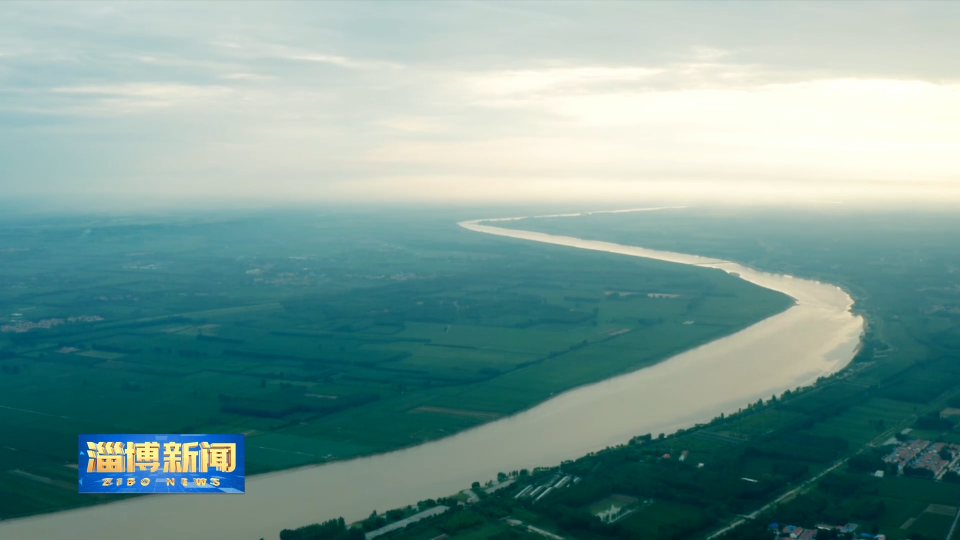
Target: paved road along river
{"type": "Point", "coordinates": [817, 336]}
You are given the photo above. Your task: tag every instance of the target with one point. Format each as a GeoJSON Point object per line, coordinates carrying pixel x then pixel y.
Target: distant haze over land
{"type": "Point", "coordinates": [138, 105]}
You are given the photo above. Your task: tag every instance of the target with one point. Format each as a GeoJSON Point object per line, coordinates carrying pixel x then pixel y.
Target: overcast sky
{"type": "Point", "coordinates": [443, 101]}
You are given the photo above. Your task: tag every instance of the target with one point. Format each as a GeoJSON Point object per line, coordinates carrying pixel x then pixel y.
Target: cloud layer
{"type": "Point", "coordinates": [466, 101]}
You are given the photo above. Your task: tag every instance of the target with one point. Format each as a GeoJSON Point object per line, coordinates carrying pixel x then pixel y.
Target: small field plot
{"type": "Point", "coordinates": [931, 525]}
{"type": "Point", "coordinates": [862, 423]}
{"type": "Point", "coordinates": [663, 520]}
{"type": "Point", "coordinates": [920, 490]}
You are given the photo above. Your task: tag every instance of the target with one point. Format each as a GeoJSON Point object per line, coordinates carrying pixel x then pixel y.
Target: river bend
{"type": "Point", "coordinates": [817, 336]}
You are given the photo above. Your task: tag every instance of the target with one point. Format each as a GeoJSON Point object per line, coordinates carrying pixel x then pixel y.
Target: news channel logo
{"type": "Point", "coordinates": [156, 463]}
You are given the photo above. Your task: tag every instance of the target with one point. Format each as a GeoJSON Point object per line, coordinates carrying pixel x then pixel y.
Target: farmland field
{"type": "Point", "coordinates": [320, 337]}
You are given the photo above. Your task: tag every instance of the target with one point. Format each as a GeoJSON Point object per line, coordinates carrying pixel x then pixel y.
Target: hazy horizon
{"type": "Point", "coordinates": [143, 105]}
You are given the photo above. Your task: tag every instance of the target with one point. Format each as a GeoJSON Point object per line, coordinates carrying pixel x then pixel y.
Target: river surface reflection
{"type": "Point", "coordinates": [815, 337]}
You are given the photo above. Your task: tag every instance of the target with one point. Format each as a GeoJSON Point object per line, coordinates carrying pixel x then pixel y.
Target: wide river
{"type": "Point", "coordinates": [815, 337]}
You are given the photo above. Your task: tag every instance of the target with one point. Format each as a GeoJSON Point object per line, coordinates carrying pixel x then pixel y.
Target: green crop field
{"type": "Point", "coordinates": [320, 337]}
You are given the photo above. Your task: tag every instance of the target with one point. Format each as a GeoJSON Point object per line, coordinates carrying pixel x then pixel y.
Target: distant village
{"type": "Point", "coordinates": [20, 327]}
{"type": "Point", "coordinates": [908, 455]}
{"type": "Point", "coordinates": [794, 532]}
{"type": "Point", "coordinates": [938, 458]}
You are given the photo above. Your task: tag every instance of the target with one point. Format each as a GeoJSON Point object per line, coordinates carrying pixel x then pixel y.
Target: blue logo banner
{"type": "Point", "coordinates": [112, 463]}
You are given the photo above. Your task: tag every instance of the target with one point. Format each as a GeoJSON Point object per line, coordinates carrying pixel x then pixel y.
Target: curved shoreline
{"type": "Point", "coordinates": [815, 337]}
{"type": "Point", "coordinates": [763, 279]}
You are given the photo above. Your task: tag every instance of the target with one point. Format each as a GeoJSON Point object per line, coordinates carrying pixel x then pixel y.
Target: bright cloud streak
{"type": "Point", "coordinates": [343, 61]}
{"type": "Point", "coordinates": [132, 97]}
{"type": "Point", "coordinates": [513, 83]}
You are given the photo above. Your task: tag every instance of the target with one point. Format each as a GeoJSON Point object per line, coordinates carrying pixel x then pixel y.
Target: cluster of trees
{"type": "Point", "coordinates": [452, 522]}
{"type": "Point", "coordinates": [838, 498]}
{"type": "Point", "coordinates": [918, 472]}
{"type": "Point", "coordinates": [751, 408]}
{"type": "Point", "coordinates": [335, 529]}
{"type": "Point", "coordinates": [870, 462]}
{"type": "Point", "coordinates": [933, 422]}
{"type": "Point", "coordinates": [375, 521]}
{"type": "Point", "coordinates": [459, 521]}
